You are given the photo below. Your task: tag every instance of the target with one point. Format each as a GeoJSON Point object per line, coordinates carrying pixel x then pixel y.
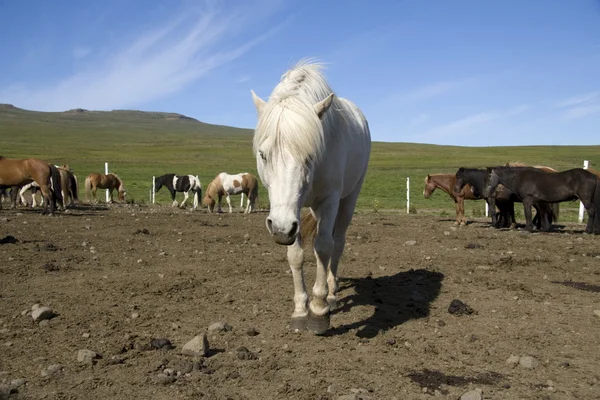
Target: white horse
{"type": "Point", "coordinates": [312, 149]}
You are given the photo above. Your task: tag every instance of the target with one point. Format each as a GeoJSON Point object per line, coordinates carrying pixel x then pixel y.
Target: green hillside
{"type": "Point", "coordinates": [138, 145]}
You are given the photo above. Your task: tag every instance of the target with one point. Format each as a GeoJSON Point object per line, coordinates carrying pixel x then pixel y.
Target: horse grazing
{"type": "Point", "coordinates": [15, 173]}
{"type": "Point", "coordinates": [180, 183]}
{"type": "Point", "coordinates": [226, 185]}
{"type": "Point", "coordinates": [312, 149]}
{"type": "Point", "coordinates": [504, 199]}
{"type": "Point", "coordinates": [446, 182]}
{"type": "Point", "coordinates": [534, 185]}
{"type": "Point", "coordinates": [95, 181]}
{"type": "Point", "coordinates": [68, 184]}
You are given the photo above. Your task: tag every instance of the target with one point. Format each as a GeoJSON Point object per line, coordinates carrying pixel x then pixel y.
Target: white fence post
{"type": "Point", "coordinates": [106, 173]}
{"type": "Point", "coordinates": [407, 195]}
{"type": "Point", "coordinates": [242, 201]}
{"type": "Point", "coordinates": [487, 209]}
{"type": "Point", "coordinates": [586, 165]}
{"type": "Point", "coordinates": [153, 189]}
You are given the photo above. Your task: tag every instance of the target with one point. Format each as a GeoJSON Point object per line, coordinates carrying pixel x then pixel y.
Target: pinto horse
{"type": "Point", "coordinates": [95, 181]}
{"type": "Point", "coordinates": [180, 183]}
{"type": "Point", "coordinates": [503, 198]}
{"type": "Point", "coordinates": [226, 185]}
{"type": "Point", "coordinates": [15, 173]}
{"type": "Point", "coordinates": [312, 149]}
{"type": "Point", "coordinates": [446, 182]}
{"type": "Point", "coordinates": [532, 184]}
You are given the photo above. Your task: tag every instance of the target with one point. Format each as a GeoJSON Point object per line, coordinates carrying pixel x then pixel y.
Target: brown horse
{"type": "Point", "coordinates": [95, 181]}
{"type": "Point", "coordinates": [226, 185]}
{"type": "Point", "coordinates": [15, 173]}
{"type": "Point", "coordinates": [68, 184]}
{"type": "Point", "coordinates": [446, 182]}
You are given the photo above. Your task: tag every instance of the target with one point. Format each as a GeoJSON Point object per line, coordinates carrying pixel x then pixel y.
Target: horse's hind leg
{"type": "Point", "coordinates": [228, 198]}
{"type": "Point", "coordinates": [186, 195]}
{"type": "Point", "coordinates": [318, 321]}
{"type": "Point", "coordinates": [527, 203]}
{"type": "Point", "coordinates": [173, 194]}
{"type": "Point", "coordinates": [342, 222]}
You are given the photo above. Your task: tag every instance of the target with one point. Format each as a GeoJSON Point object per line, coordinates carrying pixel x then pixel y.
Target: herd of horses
{"type": "Point", "coordinates": [538, 187]}
{"type": "Point", "coordinates": [59, 186]}
{"type": "Point", "coordinates": [312, 149]}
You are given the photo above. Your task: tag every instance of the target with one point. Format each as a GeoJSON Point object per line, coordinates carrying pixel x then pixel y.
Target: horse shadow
{"type": "Point", "coordinates": [395, 299]}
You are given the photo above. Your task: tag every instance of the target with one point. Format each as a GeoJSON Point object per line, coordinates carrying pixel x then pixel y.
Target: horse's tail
{"type": "Point", "coordinates": [74, 187]}
{"type": "Point", "coordinates": [88, 188]}
{"type": "Point", "coordinates": [308, 228]}
{"type": "Point", "coordinates": [55, 182]}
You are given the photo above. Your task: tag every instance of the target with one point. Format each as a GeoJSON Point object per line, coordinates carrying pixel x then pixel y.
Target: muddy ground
{"type": "Point", "coordinates": [119, 277]}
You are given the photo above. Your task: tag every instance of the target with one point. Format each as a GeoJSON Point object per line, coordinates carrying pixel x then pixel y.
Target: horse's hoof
{"type": "Point", "coordinates": [332, 301]}
{"type": "Point", "coordinates": [318, 324]}
{"type": "Point", "coordinates": [298, 324]}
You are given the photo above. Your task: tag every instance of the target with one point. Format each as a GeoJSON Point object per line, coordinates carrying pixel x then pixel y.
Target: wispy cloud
{"type": "Point", "coordinates": [468, 125]}
{"type": "Point", "coordinates": [154, 64]}
{"type": "Point", "coordinates": [580, 106]}
{"type": "Point", "coordinates": [578, 100]}
{"type": "Point", "coordinates": [419, 120]}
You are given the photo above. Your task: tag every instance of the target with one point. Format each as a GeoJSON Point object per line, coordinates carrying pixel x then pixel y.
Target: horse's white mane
{"type": "Point", "coordinates": [289, 120]}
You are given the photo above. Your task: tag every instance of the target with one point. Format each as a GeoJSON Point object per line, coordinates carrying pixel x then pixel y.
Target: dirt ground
{"type": "Point", "coordinates": [118, 277]}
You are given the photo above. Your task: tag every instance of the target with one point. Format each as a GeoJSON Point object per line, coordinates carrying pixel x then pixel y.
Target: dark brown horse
{"type": "Point", "coordinates": [95, 181]}
{"type": "Point", "coordinates": [446, 182]}
{"type": "Point", "coordinates": [15, 173]}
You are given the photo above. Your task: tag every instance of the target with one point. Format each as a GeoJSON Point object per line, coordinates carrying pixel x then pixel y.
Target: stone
{"type": "Point", "coordinates": [86, 356]}
{"type": "Point", "coordinates": [472, 395]}
{"type": "Point", "coordinates": [197, 347]}
{"type": "Point", "coordinates": [410, 242]}
{"type": "Point", "coordinates": [528, 362]}
{"type": "Point", "coordinates": [513, 360]}
{"type": "Point", "coordinates": [217, 327]}
{"type": "Point", "coordinates": [41, 313]}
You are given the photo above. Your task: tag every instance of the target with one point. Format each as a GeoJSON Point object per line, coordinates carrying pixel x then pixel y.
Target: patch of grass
{"type": "Point", "coordinates": [138, 145]}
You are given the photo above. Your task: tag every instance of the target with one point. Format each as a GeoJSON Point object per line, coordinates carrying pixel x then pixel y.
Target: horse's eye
{"type": "Point", "coordinates": [262, 155]}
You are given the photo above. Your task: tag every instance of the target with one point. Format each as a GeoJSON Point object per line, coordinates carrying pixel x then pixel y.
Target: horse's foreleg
{"type": "Point", "coordinates": [242, 203]}
{"type": "Point", "coordinates": [228, 198]}
{"type": "Point", "coordinates": [318, 321]}
{"type": "Point", "coordinates": [174, 202]}
{"type": "Point", "coordinates": [195, 199]}
{"type": "Point", "coordinates": [295, 256]}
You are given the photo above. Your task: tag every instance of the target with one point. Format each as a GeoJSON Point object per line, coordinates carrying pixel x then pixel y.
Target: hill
{"type": "Point", "coordinates": [138, 145]}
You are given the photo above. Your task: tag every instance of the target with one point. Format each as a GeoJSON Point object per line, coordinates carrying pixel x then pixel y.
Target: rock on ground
{"type": "Point", "coordinates": [197, 347]}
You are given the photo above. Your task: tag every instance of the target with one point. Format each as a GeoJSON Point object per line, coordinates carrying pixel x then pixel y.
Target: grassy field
{"type": "Point", "coordinates": [138, 145]}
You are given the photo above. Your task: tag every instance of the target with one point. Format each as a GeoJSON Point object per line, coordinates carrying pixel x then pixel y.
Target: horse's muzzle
{"type": "Point", "coordinates": [284, 234]}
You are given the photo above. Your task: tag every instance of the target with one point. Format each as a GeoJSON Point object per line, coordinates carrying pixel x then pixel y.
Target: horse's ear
{"type": "Point", "coordinates": [322, 106]}
{"type": "Point", "coordinates": [258, 102]}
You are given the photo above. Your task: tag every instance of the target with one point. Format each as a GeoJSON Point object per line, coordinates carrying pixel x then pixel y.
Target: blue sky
{"type": "Point", "coordinates": [461, 72]}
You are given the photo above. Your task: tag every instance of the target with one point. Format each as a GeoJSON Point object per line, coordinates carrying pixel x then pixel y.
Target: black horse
{"type": "Point", "coordinates": [180, 183]}
{"type": "Point", "coordinates": [533, 185]}
{"type": "Point", "coordinates": [504, 199]}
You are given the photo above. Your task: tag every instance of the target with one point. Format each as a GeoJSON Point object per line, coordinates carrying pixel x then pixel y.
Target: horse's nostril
{"type": "Point", "coordinates": [294, 229]}
{"type": "Point", "coordinates": [270, 225]}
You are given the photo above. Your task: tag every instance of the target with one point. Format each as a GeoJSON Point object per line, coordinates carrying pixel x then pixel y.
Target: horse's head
{"type": "Point", "coordinates": [492, 180]}
{"type": "Point", "coordinates": [429, 187]}
{"type": "Point", "coordinates": [460, 180]}
{"type": "Point", "coordinates": [121, 193]}
{"type": "Point", "coordinates": [288, 143]}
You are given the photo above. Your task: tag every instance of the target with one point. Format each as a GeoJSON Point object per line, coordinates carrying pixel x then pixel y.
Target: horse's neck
{"type": "Point", "coordinates": [443, 182]}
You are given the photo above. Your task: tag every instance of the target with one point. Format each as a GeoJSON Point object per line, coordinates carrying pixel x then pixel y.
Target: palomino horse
{"type": "Point", "coordinates": [180, 183]}
{"type": "Point", "coordinates": [226, 185]}
{"type": "Point", "coordinates": [446, 183]}
{"type": "Point", "coordinates": [15, 173]}
{"type": "Point", "coordinates": [68, 184]}
{"type": "Point", "coordinates": [534, 185]}
{"type": "Point", "coordinates": [312, 149]}
{"type": "Point", "coordinates": [95, 181]}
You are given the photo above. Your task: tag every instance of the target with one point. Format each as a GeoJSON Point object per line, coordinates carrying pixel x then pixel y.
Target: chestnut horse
{"type": "Point", "coordinates": [95, 181]}
{"type": "Point", "coordinates": [226, 185]}
{"type": "Point", "coordinates": [446, 182]}
{"type": "Point", "coordinates": [15, 173]}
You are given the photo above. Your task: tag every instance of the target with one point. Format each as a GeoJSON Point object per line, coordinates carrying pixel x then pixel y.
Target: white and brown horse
{"type": "Point", "coordinates": [95, 181]}
{"type": "Point", "coordinates": [68, 184]}
{"type": "Point", "coordinates": [225, 185]}
{"type": "Point", "coordinates": [16, 173]}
